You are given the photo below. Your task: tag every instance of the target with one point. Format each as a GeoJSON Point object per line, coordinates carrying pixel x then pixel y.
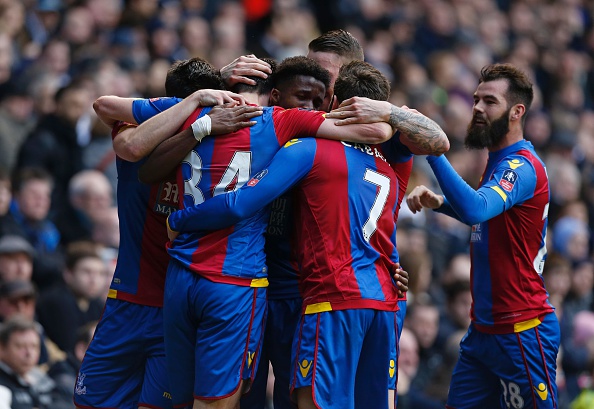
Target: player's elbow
{"type": "Point", "coordinates": [238, 213]}
{"type": "Point", "coordinates": [102, 109]}
{"type": "Point", "coordinates": [442, 145]}
{"type": "Point", "coordinates": [378, 133]}
{"type": "Point", "coordinates": [471, 217]}
{"type": "Point", "coordinates": [127, 148]}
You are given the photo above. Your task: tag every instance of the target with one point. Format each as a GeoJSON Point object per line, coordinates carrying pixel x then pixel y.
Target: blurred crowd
{"type": "Point", "coordinates": [58, 220]}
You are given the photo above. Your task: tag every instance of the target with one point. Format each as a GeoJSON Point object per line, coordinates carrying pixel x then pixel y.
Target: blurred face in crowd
{"type": "Point", "coordinates": [34, 199]}
{"type": "Point", "coordinates": [73, 105]}
{"type": "Point", "coordinates": [425, 323]}
{"type": "Point", "coordinates": [490, 116]}
{"type": "Point", "coordinates": [22, 305]}
{"type": "Point", "coordinates": [5, 196]}
{"type": "Point", "coordinates": [301, 92]}
{"type": "Point", "coordinates": [87, 278]}
{"type": "Point", "coordinates": [16, 266]}
{"type": "Point", "coordinates": [408, 360]}
{"type": "Point", "coordinates": [21, 353]}
{"type": "Point", "coordinates": [460, 308]}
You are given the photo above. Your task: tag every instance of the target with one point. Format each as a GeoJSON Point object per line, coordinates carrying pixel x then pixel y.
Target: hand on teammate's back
{"type": "Point", "coordinates": [208, 97]}
{"type": "Point", "coordinates": [228, 118]}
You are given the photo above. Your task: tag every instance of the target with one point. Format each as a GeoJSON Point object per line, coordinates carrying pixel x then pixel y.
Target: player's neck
{"type": "Point", "coordinates": [513, 136]}
{"type": "Point", "coordinates": [250, 97]}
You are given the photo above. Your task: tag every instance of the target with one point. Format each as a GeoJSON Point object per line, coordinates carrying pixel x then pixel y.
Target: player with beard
{"type": "Point", "coordinates": [507, 358]}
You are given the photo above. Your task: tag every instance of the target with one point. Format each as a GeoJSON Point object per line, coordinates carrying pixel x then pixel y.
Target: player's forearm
{"type": "Point", "coordinates": [110, 109]}
{"type": "Point", "coordinates": [285, 170]}
{"type": "Point", "coordinates": [166, 157]}
{"type": "Point", "coordinates": [471, 206]}
{"type": "Point", "coordinates": [374, 133]}
{"type": "Point", "coordinates": [420, 133]}
{"type": "Point", "coordinates": [152, 132]}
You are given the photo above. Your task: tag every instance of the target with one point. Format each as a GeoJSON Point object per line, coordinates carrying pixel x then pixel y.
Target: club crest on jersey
{"type": "Point", "coordinates": [508, 180]}
{"type": "Point", "coordinates": [258, 177]}
{"type": "Point", "coordinates": [167, 198]}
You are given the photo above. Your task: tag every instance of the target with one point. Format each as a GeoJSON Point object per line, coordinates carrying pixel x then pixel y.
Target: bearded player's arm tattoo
{"type": "Point", "coordinates": [421, 131]}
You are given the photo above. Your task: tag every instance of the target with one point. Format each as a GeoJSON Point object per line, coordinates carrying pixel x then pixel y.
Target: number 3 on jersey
{"type": "Point", "coordinates": [236, 174]}
{"type": "Point", "coordinates": [383, 182]}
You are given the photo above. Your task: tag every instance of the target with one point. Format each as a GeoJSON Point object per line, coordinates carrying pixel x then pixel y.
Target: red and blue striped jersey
{"type": "Point", "coordinates": [282, 266]}
{"type": "Point", "coordinates": [344, 220]}
{"type": "Point", "coordinates": [508, 237]}
{"type": "Point", "coordinates": [142, 209]}
{"type": "Point", "coordinates": [218, 165]}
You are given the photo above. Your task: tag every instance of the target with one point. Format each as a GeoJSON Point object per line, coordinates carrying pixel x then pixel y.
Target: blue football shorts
{"type": "Point", "coordinates": [281, 323]}
{"type": "Point", "coordinates": [348, 357]}
{"type": "Point", "coordinates": [400, 315]}
{"type": "Point", "coordinates": [213, 335]}
{"type": "Point", "coordinates": [124, 366]}
{"type": "Point", "coordinates": [516, 370]}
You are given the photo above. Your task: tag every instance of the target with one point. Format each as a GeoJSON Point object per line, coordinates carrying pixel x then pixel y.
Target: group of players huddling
{"type": "Point", "coordinates": [257, 227]}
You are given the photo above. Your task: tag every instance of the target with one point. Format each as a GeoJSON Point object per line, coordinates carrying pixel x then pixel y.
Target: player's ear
{"type": "Point", "coordinates": [274, 96]}
{"type": "Point", "coordinates": [333, 103]}
{"type": "Point", "coordinates": [517, 111]}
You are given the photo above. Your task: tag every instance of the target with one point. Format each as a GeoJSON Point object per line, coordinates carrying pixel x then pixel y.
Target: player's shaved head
{"type": "Point", "coordinates": [361, 79]}
{"type": "Point", "coordinates": [187, 76]}
{"type": "Point", "coordinates": [339, 42]}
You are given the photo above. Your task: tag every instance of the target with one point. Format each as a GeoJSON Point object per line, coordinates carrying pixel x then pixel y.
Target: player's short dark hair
{"type": "Point", "coordinates": [361, 79]}
{"type": "Point", "coordinates": [14, 325]}
{"type": "Point", "coordinates": [520, 90]}
{"type": "Point", "coordinates": [263, 85]}
{"type": "Point", "coordinates": [187, 76]}
{"type": "Point", "coordinates": [339, 42]}
{"type": "Point", "coordinates": [291, 67]}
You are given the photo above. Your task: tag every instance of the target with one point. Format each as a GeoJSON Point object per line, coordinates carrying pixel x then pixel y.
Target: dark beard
{"type": "Point", "coordinates": [489, 135]}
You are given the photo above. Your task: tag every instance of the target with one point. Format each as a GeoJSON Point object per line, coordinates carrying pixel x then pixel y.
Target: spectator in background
{"type": "Point", "coordinates": [571, 238]}
{"type": "Point", "coordinates": [408, 365]}
{"type": "Point", "coordinates": [557, 278]}
{"type": "Point", "coordinates": [16, 120]}
{"type": "Point", "coordinates": [457, 312]}
{"type": "Point", "coordinates": [30, 209]}
{"type": "Point", "coordinates": [53, 144]}
{"type": "Point", "coordinates": [18, 298]}
{"type": "Point", "coordinates": [19, 353]}
{"type": "Point", "coordinates": [7, 223]}
{"type": "Point", "coordinates": [64, 308]}
{"type": "Point", "coordinates": [16, 258]}
{"type": "Point", "coordinates": [22, 383]}
{"type": "Point", "coordinates": [578, 352]}
{"type": "Point", "coordinates": [89, 194]}
{"type": "Point", "coordinates": [65, 371]}
{"type": "Point", "coordinates": [423, 320]}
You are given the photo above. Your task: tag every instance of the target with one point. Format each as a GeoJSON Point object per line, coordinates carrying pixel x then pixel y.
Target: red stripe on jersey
{"type": "Point", "coordinates": [295, 123]}
{"type": "Point", "coordinates": [402, 171]}
{"type": "Point", "coordinates": [381, 239]}
{"type": "Point", "coordinates": [323, 210]}
{"type": "Point", "coordinates": [515, 237]}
